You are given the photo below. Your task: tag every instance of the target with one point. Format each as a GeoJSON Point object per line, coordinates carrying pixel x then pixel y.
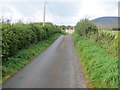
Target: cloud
{"type": "Point", "coordinates": [58, 11]}
{"type": "Point", "coordinates": [40, 0]}
{"type": "Point", "coordinates": [11, 13]}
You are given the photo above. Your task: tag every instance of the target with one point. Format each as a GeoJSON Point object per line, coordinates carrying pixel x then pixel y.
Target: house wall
{"type": "Point", "coordinates": [70, 30]}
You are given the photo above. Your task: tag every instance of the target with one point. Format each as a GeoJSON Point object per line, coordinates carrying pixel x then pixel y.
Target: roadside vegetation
{"type": "Point", "coordinates": [18, 36]}
{"type": "Point", "coordinates": [22, 42]}
{"type": "Point", "coordinates": [98, 54]}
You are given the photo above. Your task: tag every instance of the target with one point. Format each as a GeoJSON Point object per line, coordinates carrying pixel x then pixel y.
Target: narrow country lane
{"type": "Point", "coordinates": [56, 67]}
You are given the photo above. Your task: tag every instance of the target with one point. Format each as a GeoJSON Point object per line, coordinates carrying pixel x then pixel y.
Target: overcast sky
{"type": "Point", "coordinates": [68, 12]}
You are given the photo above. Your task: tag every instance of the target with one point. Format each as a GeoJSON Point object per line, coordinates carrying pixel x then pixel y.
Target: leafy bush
{"type": "Point", "coordinates": [18, 36]}
{"type": "Point", "coordinates": [85, 26]}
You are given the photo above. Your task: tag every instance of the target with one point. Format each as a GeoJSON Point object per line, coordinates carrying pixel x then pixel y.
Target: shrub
{"type": "Point", "coordinates": [19, 35]}
{"type": "Point", "coordinates": [85, 26]}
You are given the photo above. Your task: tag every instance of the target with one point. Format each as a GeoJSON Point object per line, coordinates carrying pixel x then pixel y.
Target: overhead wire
{"type": "Point", "coordinates": [49, 8]}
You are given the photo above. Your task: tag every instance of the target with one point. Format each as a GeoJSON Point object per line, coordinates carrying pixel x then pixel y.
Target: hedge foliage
{"type": "Point", "coordinates": [18, 36]}
{"type": "Point", "coordinates": [24, 56]}
{"type": "Point", "coordinates": [85, 26]}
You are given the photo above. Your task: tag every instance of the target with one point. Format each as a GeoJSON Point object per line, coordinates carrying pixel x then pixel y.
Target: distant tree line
{"type": "Point", "coordinates": [116, 29]}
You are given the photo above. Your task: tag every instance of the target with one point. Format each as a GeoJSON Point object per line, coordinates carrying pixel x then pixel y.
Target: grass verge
{"type": "Point", "coordinates": [24, 56]}
{"type": "Point", "coordinates": [100, 68]}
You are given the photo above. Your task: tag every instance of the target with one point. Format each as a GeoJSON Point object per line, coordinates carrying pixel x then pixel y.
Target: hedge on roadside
{"type": "Point", "coordinates": [17, 36]}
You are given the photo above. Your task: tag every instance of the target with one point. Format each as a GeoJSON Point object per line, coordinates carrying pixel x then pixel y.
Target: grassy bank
{"type": "Point", "coordinates": [106, 41]}
{"type": "Point", "coordinates": [99, 66]}
{"type": "Point", "coordinates": [24, 56]}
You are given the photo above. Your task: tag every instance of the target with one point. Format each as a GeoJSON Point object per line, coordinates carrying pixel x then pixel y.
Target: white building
{"type": "Point", "coordinates": [70, 30]}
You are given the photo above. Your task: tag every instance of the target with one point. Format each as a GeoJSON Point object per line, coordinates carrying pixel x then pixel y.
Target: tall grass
{"type": "Point", "coordinates": [106, 41]}
{"type": "Point", "coordinates": [101, 69]}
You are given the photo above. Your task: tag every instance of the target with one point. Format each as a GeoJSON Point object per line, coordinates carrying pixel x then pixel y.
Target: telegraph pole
{"type": "Point", "coordinates": [44, 13]}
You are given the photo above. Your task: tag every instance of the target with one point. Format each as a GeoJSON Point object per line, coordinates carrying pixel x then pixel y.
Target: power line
{"type": "Point", "coordinates": [52, 12]}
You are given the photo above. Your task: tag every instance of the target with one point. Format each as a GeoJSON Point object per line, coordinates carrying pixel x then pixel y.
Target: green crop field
{"type": "Point", "coordinates": [110, 32]}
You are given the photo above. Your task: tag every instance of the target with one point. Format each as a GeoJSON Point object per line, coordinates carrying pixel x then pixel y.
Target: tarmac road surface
{"type": "Point", "coordinates": [57, 67]}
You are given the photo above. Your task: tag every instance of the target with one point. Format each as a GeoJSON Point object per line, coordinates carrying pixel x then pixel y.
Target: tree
{"type": "Point", "coordinates": [85, 26]}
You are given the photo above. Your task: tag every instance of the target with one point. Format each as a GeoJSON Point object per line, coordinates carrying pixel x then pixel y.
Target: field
{"type": "Point", "coordinates": [110, 32]}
